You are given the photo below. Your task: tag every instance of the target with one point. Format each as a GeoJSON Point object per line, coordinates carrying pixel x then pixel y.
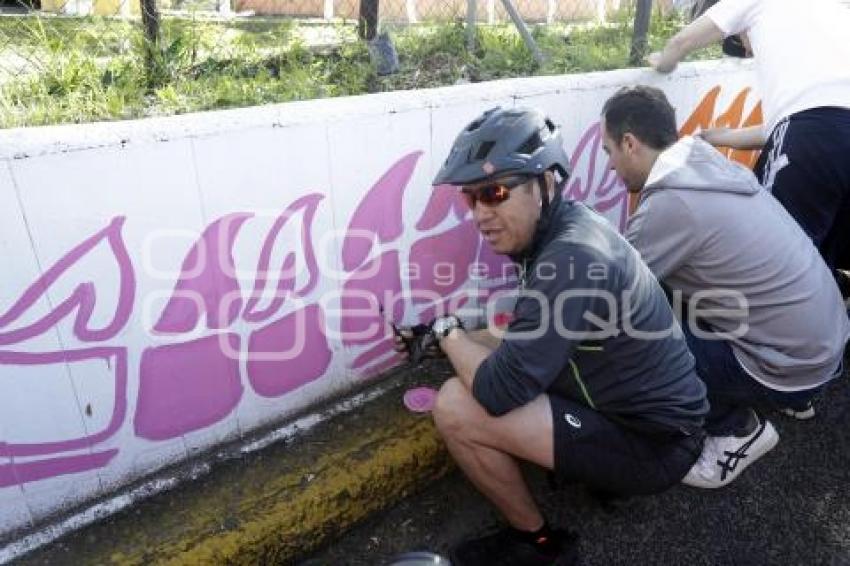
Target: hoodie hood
{"type": "Point", "coordinates": [694, 164]}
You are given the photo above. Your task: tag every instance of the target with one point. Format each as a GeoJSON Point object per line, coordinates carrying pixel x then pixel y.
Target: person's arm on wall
{"type": "Point", "coordinates": [751, 137]}
{"type": "Point", "coordinates": [699, 33]}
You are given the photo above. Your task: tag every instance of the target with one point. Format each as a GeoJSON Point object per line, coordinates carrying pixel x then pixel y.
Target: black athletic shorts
{"type": "Point", "coordinates": [595, 451]}
{"type": "Point", "coordinates": [806, 165]}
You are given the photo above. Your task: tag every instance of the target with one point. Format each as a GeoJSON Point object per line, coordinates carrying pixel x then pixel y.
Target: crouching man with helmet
{"type": "Point", "coordinates": [592, 378]}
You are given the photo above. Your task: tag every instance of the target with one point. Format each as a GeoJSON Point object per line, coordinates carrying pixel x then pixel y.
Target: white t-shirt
{"type": "Point", "coordinates": [801, 48]}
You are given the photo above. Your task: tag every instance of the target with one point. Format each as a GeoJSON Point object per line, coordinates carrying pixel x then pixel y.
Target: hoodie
{"type": "Point", "coordinates": [708, 230]}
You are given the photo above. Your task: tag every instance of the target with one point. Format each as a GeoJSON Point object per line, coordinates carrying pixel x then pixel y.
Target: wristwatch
{"type": "Point", "coordinates": [444, 325]}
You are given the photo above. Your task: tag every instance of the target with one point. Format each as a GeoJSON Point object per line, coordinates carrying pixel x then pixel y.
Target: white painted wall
{"type": "Point", "coordinates": [93, 399]}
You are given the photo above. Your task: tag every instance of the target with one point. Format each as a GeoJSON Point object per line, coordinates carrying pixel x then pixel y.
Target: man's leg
{"type": "Point", "coordinates": [488, 448]}
{"type": "Point", "coordinates": [738, 436]}
{"type": "Point", "coordinates": [727, 386]}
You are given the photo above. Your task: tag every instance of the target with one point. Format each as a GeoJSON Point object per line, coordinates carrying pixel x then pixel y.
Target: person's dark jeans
{"type": "Point", "coordinates": [731, 390]}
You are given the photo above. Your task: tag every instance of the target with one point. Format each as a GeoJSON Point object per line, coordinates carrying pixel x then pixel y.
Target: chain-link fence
{"type": "Point", "coordinates": [80, 60]}
{"type": "Point", "coordinates": [389, 11]}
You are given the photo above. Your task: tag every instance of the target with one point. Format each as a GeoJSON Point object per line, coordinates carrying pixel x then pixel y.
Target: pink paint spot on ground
{"type": "Point", "coordinates": [420, 399]}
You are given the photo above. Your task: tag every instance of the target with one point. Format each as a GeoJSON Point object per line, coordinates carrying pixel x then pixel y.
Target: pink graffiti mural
{"type": "Point", "coordinates": [187, 386]}
{"type": "Point", "coordinates": [82, 299]}
{"type": "Point", "coordinates": [371, 281]}
{"type": "Point", "coordinates": [299, 339]}
{"type": "Point", "coordinates": [220, 333]}
{"type": "Point", "coordinates": [597, 186]}
{"type": "Point", "coordinates": [286, 284]}
{"type": "Point", "coordinates": [445, 243]}
{"type": "Point", "coordinates": [191, 384]}
{"type": "Point", "coordinates": [38, 460]}
{"type": "Point", "coordinates": [301, 333]}
{"type": "Point", "coordinates": [207, 282]}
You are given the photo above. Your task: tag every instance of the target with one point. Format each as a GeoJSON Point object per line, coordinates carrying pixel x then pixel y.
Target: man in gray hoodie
{"type": "Point", "coordinates": [764, 317]}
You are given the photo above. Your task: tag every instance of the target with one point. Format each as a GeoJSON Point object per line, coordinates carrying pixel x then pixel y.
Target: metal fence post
{"type": "Point", "coordinates": [150, 22]}
{"type": "Point", "coordinates": [643, 13]}
{"type": "Point", "coordinates": [471, 20]}
{"type": "Point", "coordinates": [367, 23]}
{"type": "Point", "coordinates": [523, 31]}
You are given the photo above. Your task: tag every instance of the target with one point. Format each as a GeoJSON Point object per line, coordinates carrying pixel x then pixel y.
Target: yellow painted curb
{"type": "Point", "coordinates": [275, 505]}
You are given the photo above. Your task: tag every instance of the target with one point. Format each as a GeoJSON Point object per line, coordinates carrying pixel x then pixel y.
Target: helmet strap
{"type": "Point", "coordinates": [546, 207]}
{"type": "Point", "coordinates": [544, 195]}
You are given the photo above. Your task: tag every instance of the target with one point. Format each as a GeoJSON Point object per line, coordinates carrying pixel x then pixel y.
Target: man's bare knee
{"type": "Point", "coordinates": [453, 409]}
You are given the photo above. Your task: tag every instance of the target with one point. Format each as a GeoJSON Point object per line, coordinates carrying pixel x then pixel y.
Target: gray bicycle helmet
{"type": "Point", "coordinates": [515, 141]}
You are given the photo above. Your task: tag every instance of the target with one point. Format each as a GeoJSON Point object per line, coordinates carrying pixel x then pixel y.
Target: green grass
{"type": "Point", "coordinates": [88, 69]}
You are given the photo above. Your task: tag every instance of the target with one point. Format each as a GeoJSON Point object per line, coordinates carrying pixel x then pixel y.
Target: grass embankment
{"type": "Point", "coordinates": [89, 69]}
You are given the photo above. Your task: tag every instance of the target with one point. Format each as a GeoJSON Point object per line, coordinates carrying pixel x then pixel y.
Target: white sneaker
{"type": "Point", "coordinates": [723, 458]}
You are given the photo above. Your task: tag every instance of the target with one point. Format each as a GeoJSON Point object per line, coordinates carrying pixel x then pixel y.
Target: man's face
{"type": "Point", "coordinates": [508, 226]}
{"type": "Point", "coordinates": [625, 159]}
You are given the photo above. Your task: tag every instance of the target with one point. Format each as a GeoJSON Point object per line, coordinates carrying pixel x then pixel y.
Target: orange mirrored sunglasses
{"type": "Point", "coordinates": [492, 194]}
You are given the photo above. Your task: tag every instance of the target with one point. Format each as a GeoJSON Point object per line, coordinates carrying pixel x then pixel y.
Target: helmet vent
{"type": "Point", "coordinates": [475, 124]}
{"type": "Point", "coordinates": [483, 150]}
{"type": "Point", "coordinates": [531, 144]}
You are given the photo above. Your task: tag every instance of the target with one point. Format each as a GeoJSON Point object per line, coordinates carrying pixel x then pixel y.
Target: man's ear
{"type": "Point", "coordinates": [629, 143]}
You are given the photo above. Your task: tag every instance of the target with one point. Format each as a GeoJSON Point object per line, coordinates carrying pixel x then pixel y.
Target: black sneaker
{"type": "Point", "coordinates": [506, 548]}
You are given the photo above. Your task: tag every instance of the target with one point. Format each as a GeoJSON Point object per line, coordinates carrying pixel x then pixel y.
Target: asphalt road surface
{"type": "Point", "coordinates": [792, 507]}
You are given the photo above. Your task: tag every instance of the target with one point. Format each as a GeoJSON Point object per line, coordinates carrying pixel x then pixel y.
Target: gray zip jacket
{"type": "Point", "coordinates": [708, 230]}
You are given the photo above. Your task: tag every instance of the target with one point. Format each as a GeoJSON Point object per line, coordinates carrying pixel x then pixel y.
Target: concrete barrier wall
{"type": "Point", "coordinates": [169, 285]}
